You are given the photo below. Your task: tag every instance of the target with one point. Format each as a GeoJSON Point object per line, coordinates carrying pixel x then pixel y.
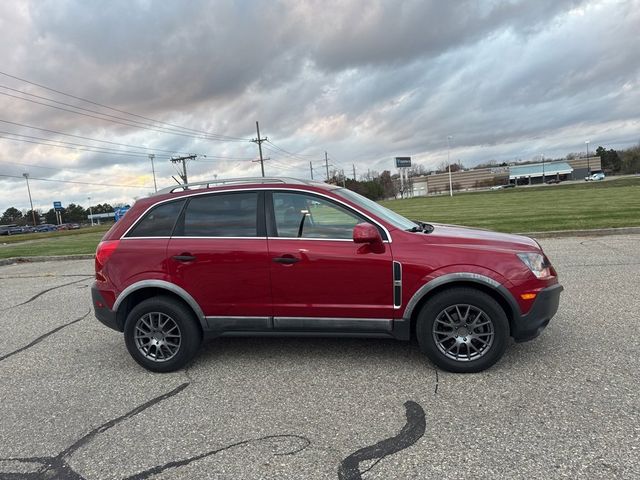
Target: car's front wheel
{"type": "Point", "coordinates": [161, 334]}
{"type": "Point", "coordinates": [462, 330]}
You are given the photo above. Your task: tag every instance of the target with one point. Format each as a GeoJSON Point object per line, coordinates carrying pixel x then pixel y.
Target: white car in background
{"type": "Point", "coordinates": [594, 177]}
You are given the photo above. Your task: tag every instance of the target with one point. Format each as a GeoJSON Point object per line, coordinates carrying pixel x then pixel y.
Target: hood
{"type": "Point", "coordinates": [458, 235]}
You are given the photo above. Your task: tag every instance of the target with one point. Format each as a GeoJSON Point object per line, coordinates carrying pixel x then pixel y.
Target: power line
{"type": "Point", "coordinates": [287, 152]}
{"type": "Point", "coordinates": [42, 166]}
{"type": "Point", "coordinates": [78, 182]}
{"type": "Point", "coordinates": [88, 138]}
{"type": "Point", "coordinates": [70, 145]}
{"type": "Point", "coordinates": [126, 123]}
{"type": "Point", "coordinates": [139, 147]}
{"type": "Point", "coordinates": [230, 138]}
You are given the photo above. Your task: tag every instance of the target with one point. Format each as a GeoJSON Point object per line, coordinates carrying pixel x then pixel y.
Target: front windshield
{"type": "Point", "coordinates": [378, 210]}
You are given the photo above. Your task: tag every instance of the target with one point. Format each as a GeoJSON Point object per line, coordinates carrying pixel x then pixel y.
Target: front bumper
{"type": "Point", "coordinates": [545, 306]}
{"type": "Point", "coordinates": [103, 313]}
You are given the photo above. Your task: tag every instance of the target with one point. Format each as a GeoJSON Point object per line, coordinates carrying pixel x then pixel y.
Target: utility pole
{"type": "Point", "coordinates": [326, 164]}
{"type": "Point", "coordinates": [311, 169]}
{"type": "Point", "coordinates": [33, 214]}
{"type": "Point", "coordinates": [183, 176]}
{"type": "Point", "coordinates": [354, 171]}
{"type": "Point", "coordinates": [155, 186]}
{"type": "Point", "coordinates": [259, 142]}
{"type": "Point", "coordinates": [542, 168]}
{"type": "Point", "coordinates": [449, 137]}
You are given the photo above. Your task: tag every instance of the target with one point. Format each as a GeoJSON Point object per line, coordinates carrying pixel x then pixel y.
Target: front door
{"type": "Point", "coordinates": [219, 255]}
{"type": "Point", "coordinates": [321, 279]}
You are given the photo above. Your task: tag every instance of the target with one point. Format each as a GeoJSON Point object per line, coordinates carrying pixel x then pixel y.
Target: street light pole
{"type": "Point", "coordinates": [90, 210]}
{"type": "Point", "coordinates": [449, 137]}
{"type": "Point", "coordinates": [588, 165]}
{"type": "Point", "coordinates": [33, 214]}
{"type": "Point", "coordinates": [542, 155]}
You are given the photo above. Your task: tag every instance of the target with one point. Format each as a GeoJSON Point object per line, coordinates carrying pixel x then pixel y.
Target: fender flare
{"type": "Point", "coordinates": [452, 278]}
{"type": "Point", "coordinates": [163, 285]}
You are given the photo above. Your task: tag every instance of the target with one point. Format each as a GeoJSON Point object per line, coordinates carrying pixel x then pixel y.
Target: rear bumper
{"type": "Point", "coordinates": [103, 313]}
{"type": "Point", "coordinates": [529, 326]}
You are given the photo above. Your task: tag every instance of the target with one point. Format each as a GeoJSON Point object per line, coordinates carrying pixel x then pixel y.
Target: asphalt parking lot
{"type": "Point", "coordinates": [75, 405]}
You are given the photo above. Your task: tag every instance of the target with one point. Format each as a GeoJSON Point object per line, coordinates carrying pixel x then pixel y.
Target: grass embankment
{"type": "Point", "coordinates": [578, 206]}
{"type": "Point", "coordinates": [65, 242]}
{"type": "Point", "coordinates": [612, 203]}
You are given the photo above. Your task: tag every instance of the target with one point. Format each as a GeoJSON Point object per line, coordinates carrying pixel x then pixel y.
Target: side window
{"type": "Point", "coordinates": [308, 216]}
{"type": "Point", "coordinates": [159, 221]}
{"type": "Point", "coordinates": [221, 215]}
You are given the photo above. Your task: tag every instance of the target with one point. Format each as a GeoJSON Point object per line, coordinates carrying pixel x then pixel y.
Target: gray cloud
{"type": "Point", "coordinates": [363, 80]}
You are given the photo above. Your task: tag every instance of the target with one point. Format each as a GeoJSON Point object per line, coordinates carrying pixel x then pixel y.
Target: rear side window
{"type": "Point", "coordinates": [159, 221]}
{"type": "Point", "coordinates": [221, 215]}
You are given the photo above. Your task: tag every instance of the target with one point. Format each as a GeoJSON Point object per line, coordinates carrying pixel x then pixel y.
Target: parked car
{"type": "Point", "coordinates": [6, 229]}
{"type": "Point", "coordinates": [15, 230]}
{"type": "Point", "coordinates": [46, 227]}
{"type": "Point", "coordinates": [293, 257]}
{"type": "Point", "coordinates": [595, 177]}
{"type": "Point", "coordinates": [552, 181]}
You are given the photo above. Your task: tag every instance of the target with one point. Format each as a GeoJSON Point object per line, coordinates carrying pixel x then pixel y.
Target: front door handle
{"type": "Point", "coordinates": [286, 260]}
{"type": "Point", "coordinates": [184, 257]}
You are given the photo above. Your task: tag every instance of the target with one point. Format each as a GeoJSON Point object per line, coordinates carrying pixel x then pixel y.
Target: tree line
{"type": "Point", "coordinates": [620, 161]}
{"type": "Point", "coordinates": [71, 214]}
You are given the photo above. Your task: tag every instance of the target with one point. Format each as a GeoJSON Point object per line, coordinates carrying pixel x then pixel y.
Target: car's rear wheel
{"type": "Point", "coordinates": [161, 334]}
{"type": "Point", "coordinates": [462, 330]}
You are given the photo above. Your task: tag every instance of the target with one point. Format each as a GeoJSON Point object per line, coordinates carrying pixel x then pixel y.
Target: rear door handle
{"type": "Point", "coordinates": [287, 260]}
{"type": "Point", "coordinates": [185, 257]}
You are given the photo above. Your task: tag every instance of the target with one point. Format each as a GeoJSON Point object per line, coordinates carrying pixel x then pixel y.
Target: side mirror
{"type": "Point", "coordinates": [366, 233]}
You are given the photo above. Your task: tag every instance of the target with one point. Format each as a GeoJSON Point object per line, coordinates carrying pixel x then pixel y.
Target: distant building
{"type": "Point", "coordinates": [528, 174]}
{"type": "Point", "coordinates": [540, 172]}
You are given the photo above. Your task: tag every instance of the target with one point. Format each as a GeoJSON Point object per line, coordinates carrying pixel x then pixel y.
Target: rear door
{"type": "Point", "coordinates": [321, 279]}
{"type": "Point", "coordinates": [218, 253]}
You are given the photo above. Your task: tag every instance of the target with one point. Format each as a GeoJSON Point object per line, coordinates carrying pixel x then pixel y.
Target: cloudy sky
{"type": "Point", "coordinates": [363, 80]}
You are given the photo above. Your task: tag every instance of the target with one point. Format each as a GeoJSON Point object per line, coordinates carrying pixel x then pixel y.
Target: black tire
{"type": "Point", "coordinates": [153, 311]}
{"type": "Point", "coordinates": [479, 345]}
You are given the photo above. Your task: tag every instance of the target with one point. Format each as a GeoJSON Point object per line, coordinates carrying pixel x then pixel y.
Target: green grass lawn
{"type": "Point", "coordinates": [65, 242]}
{"type": "Point", "coordinates": [612, 203]}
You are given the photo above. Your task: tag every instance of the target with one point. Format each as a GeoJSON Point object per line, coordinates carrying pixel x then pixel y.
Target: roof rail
{"type": "Point", "coordinates": [230, 181]}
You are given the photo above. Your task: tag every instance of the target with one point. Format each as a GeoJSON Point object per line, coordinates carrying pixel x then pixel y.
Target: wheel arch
{"type": "Point", "coordinates": [482, 283]}
{"type": "Point", "coordinates": [134, 294]}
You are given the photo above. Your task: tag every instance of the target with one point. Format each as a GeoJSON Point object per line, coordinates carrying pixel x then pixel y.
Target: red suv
{"type": "Point", "coordinates": [278, 256]}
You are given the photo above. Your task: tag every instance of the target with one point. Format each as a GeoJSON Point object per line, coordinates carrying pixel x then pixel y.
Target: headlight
{"type": "Point", "coordinates": [537, 263]}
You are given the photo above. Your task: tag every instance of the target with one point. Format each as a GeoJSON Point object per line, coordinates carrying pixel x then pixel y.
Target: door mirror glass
{"type": "Point", "coordinates": [366, 233]}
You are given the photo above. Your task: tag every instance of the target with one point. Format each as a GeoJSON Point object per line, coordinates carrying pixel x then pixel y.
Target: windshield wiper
{"type": "Point", "coordinates": [421, 227]}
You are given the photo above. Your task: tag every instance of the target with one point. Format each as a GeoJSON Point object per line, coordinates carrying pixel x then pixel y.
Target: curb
{"type": "Point", "coordinates": [47, 258]}
{"type": "Point", "coordinates": [599, 232]}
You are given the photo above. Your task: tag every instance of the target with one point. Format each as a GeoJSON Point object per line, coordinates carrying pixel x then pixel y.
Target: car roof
{"type": "Point", "coordinates": [246, 181]}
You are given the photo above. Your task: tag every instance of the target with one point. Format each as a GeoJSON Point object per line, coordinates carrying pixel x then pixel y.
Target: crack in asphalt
{"type": "Point", "coordinates": [435, 392]}
{"type": "Point", "coordinates": [57, 467]}
{"type": "Point", "coordinates": [42, 337]}
{"type": "Point", "coordinates": [305, 442]}
{"type": "Point", "coordinates": [42, 293]}
{"type": "Point", "coordinates": [412, 431]}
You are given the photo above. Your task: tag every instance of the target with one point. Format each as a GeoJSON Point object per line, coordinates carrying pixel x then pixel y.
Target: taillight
{"type": "Point", "coordinates": [103, 252]}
